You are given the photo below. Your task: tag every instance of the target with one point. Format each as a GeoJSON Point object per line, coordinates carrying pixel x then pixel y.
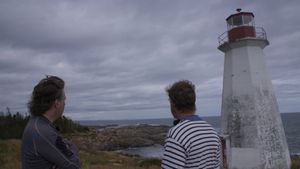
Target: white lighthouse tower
{"type": "Point", "coordinates": [250, 120]}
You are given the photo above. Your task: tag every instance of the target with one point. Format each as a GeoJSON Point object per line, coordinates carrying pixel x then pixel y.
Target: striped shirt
{"type": "Point", "coordinates": [192, 143]}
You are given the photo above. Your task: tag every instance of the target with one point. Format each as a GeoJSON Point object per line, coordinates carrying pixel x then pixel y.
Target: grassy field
{"type": "Point", "coordinates": [10, 158]}
{"type": "Point", "coordinates": [91, 159]}
{"type": "Point", "coordinates": [10, 154]}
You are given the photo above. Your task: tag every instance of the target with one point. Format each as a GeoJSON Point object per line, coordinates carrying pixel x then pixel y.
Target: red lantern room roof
{"type": "Point", "coordinates": [239, 14]}
{"type": "Point", "coordinates": [240, 26]}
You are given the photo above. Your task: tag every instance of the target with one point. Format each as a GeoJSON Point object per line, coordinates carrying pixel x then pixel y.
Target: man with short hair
{"type": "Point", "coordinates": [42, 145]}
{"type": "Point", "coordinates": [192, 142]}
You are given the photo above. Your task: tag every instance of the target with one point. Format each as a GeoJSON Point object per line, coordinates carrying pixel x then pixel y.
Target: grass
{"type": "Point", "coordinates": [113, 160]}
{"type": "Point", "coordinates": [295, 162]}
{"type": "Point", "coordinates": [90, 159]}
{"type": "Point", "coordinates": [10, 154]}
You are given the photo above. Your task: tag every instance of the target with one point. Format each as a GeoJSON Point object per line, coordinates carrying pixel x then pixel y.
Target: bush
{"type": "Point", "coordinates": [12, 126]}
{"type": "Point", "coordinates": [66, 125]}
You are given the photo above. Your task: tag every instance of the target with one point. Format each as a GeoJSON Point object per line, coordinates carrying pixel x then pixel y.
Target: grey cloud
{"type": "Point", "coordinates": [117, 57]}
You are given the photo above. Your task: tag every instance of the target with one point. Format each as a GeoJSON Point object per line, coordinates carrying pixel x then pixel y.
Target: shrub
{"type": "Point", "coordinates": [12, 126]}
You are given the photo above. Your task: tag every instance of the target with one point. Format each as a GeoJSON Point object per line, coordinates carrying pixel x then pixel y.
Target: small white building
{"type": "Point", "coordinates": [250, 119]}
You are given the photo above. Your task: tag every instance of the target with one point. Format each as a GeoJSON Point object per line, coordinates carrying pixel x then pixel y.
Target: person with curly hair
{"type": "Point", "coordinates": [42, 145]}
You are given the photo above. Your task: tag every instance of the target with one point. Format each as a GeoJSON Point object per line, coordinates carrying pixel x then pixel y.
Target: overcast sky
{"type": "Point", "coordinates": [118, 56]}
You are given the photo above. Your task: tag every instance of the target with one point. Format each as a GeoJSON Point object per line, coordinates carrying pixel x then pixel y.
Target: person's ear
{"type": "Point", "coordinates": [172, 104]}
{"type": "Point", "coordinates": [56, 103]}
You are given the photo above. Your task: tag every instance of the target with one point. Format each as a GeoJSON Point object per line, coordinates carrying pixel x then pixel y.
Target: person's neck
{"type": "Point", "coordinates": [182, 115]}
{"type": "Point", "coordinates": [50, 116]}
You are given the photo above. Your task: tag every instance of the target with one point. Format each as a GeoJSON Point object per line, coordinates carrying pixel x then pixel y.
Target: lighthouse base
{"type": "Point", "coordinates": [245, 158]}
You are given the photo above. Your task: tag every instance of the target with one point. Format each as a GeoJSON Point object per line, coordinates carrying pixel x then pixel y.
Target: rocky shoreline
{"type": "Point", "coordinates": [112, 138]}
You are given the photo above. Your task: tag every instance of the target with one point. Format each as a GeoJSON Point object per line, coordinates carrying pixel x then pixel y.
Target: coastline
{"type": "Point", "coordinates": [109, 148]}
{"type": "Point", "coordinates": [290, 122]}
{"type": "Point", "coordinates": [111, 138]}
{"type": "Point", "coordinates": [126, 146]}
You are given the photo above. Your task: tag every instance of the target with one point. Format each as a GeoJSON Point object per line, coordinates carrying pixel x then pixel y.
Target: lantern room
{"type": "Point", "coordinates": [240, 25]}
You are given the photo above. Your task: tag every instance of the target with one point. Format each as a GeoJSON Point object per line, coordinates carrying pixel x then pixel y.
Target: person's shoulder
{"type": "Point", "coordinates": [205, 124]}
{"type": "Point", "coordinates": [29, 130]}
{"type": "Point", "coordinates": [178, 127]}
{"type": "Point", "coordinates": [201, 123]}
{"type": "Point", "coordinates": [208, 128]}
{"type": "Point", "coordinates": [197, 126]}
{"type": "Point", "coordinates": [193, 123]}
{"type": "Point", "coordinates": [45, 129]}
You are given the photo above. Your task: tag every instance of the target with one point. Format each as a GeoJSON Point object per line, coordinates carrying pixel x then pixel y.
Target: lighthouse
{"type": "Point", "coordinates": [250, 119]}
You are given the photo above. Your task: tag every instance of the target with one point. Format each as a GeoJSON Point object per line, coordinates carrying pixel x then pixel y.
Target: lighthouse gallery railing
{"type": "Point", "coordinates": [260, 34]}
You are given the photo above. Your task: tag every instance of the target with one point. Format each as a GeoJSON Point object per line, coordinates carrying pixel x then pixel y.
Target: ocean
{"type": "Point", "coordinates": [290, 123]}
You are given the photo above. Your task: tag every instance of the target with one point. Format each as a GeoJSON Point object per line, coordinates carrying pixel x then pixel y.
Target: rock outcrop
{"type": "Point", "coordinates": [121, 138]}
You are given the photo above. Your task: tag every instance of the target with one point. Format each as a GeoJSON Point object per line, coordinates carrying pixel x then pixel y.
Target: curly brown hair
{"type": "Point", "coordinates": [45, 93]}
{"type": "Point", "coordinates": [182, 94]}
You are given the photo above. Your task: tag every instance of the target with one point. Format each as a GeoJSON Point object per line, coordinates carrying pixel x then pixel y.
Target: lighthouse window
{"type": "Point", "coordinates": [237, 20]}
{"type": "Point", "coordinates": [229, 23]}
{"type": "Point", "coordinates": [248, 20]}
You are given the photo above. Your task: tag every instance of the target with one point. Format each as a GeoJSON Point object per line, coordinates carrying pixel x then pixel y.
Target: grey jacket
{"type": "Point", "coordinates": [44, 148]}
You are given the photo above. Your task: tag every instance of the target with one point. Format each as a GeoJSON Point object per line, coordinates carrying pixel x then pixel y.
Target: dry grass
{"type": "Point", "coordinates": [112, 160]}
{"type": "Point", "coordinates": [90, 159]}
{"type": "Point", "coordinates": [10, 154]}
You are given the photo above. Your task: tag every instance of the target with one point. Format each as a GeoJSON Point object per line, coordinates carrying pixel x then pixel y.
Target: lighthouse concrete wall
{"type": "Point", "coordinates": [250, 115]}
